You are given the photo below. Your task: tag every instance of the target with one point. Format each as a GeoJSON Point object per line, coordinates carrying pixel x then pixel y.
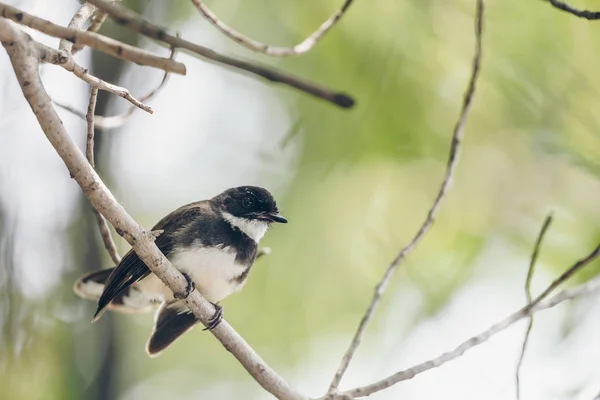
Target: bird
{"type": "Point", "coordinates": [213, 243]}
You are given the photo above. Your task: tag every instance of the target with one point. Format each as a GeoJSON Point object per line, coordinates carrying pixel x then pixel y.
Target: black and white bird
{"type": "Point", "coordinates": [212, 242]}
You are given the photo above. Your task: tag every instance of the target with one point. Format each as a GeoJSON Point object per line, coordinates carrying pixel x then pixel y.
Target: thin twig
{"type": "Point", "coordinates": [107, 239]}
{"type": "Point", "coordinates": [137, 23]}
{"type": "Point", "coordinates": [565, 276]}
{"type": "Point", "coordinates": [25, 67]}
{"type": "Point", "coordinates": [524, 312]}
{"type": "Point", "coordinates": [532, 262]}
{"type": "Point", "coordinates": [94, 40]}
{"type": "Point", "coordinates": [85, 12]}
{"type": "Point", "coordinates": [115, 121]}
{"type": "Point", "coordinates": [65, 60]}
{"type": "Point", "coordinates": [457, 137]}
{"type": "Point", "coordinates": [89, 146]}
{"type": "Point", "coordinates": [252, 44]}
{"type": "Point", "coordinates": [97, 21]}
{"type": "Point", "coordinates": [590, 15]}
{"type": "Point", "coordinates": [119, 120]}
{"type": "Point", "coordinates": [75, 111]}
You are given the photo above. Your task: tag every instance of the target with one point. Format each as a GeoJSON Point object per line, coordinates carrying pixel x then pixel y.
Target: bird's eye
{"type": "Point", "coordinates": [248, 202]}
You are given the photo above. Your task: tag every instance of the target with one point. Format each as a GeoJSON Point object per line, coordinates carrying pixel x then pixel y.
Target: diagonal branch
{"type": "Point", "coordinates": [65, 60]}
{"type": "Point", "coordinates": [252, 44]}
{"type": "Point", "coordinates": [25, 66]}
{"type": "Point", "coordinates": [93, 40]}
{"type": "Point", "coordinates": [565, 276]}
{"type": "Point", "coordinates": [533, 261]}
{"type": "Point", "coordinates": [115, 121]}
{"type": "Point", "coordinates": [136, 23]}
{"type": "Point", "coordinates": [589, 15]}
{"type": "Point", "coordinates": [457, 137]}
{"type": "Point", "coordinates": [524, 312]}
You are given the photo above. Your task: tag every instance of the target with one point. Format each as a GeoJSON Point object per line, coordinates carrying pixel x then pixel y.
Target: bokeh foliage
{"type": "Point", "coordinates": [365, 179]}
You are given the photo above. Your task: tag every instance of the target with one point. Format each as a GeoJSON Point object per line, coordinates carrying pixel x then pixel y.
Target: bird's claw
{"type": "Point", "coordinates": [188, 289]}
{"type": "Point", "coordinates": [215, 319]}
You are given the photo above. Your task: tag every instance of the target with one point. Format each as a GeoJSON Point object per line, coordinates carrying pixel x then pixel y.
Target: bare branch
{"type": "Point", "coordinates": [136, 23]}
{"type": "Point", "coordinates": [89, 147]}
{"type": "Point", "coordinates": [565, 276]}
{"type": "Point", "coordinates": [25, 66]}
{"type": "Point", "coordinates": [590, 15]}
{"type": "Point", "coordinates": [107, 239]}
{"type": "Point", "coordinates": [116, 121]}
{"type": "Point", "coordinates": [97, 21]}
{"type": "Point", "coordinates": [524, 312]}
{"type": "Point", "coordinates": [252, 44]}
{"type": "Point", "coordinates": [65, 60]}
{"type": "Point", "coordinates": [457, 137]}
{"type": "Point", "coordinates": [85, 12]}
{"type": "Point", "coordinates": [94, 40]}
{"type": "Point", "coordinates": [533, 261]}
{"type": "Point", "coordinates": [76, 112]}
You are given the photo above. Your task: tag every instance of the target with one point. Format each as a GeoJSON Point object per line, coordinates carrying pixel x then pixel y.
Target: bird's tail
{"type": "Point", "coordinates": [91, 285]}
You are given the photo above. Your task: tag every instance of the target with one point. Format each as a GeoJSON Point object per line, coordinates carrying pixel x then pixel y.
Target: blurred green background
{"type": "Point", "coordinates": [354, 184]}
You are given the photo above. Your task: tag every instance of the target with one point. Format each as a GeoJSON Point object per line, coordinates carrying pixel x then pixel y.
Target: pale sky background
{"type": "Point", "coordinates": [150, 164]}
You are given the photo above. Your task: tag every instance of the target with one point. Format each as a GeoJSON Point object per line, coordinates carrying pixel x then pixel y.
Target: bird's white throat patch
{"type": "Point", "coordinates": [254, 228]}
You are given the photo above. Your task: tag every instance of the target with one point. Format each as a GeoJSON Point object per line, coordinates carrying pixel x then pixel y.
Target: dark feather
{"type": "Point", "coordinates": [132, 269]}
{"type": "Point", "coordinates": [172, 320]}
{"type": "Point", "coordinates": [100, 277]}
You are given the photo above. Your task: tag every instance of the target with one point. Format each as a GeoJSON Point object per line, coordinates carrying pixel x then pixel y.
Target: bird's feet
{"type": "Point", "coordinates": [188, 289]}
{"type": "Point", "coordinates": [215, 319]}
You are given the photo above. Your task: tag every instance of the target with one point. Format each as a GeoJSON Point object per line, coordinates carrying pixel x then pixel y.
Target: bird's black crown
{"type": "Point", "coordinates": [250, 202]}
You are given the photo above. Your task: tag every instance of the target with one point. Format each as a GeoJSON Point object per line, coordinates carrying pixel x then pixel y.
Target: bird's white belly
{"type": "Point", "coordinates": [213, 270]}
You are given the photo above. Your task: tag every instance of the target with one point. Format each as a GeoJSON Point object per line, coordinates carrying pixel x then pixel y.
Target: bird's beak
{"type": "Point", "coordinates": [276, 217]}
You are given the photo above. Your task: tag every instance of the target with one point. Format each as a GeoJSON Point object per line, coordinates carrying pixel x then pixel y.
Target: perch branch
{"type": "Point", "coordinates": [93, 40]}
{"type": "Point", "coordinates": [136, 23]}
{"type": "Point", "coordinates": [457, 137]}
{"type": "Point", "coordinates": [254, 45]}
{"type": "Point", "coordinates": [532, 262]}
{"type": "Point", "coordinates": [530, 309]}
{"type": "Point", "coordinates": [25, 66]}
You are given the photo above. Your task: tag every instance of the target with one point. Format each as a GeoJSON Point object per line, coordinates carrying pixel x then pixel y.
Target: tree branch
{"type": "Point", "coordinates": [589, 15]}
{"type": "Point", "coordinates": [25, 66]}
{"type": "Point", "coordinates": [457, 137]}
{"type": "Point", "coordinates": [97, 21]}
{"type": "Point", "coordinates": [251, 44]}
{"type": "Point", "coordinates": [85, 12]}
{"type": "Point", "coordinates": [107, 239]}
{"type": "Point", "coordinates": [524, 312]}
{"type": "Point", "coordinates": [65, 60]}
{"type": "Point", "coordinates": [93, 40]}
{"type": "Point", "coordinates": [533, 260]}
{"type": "Point", "coordinates": [136, 23]}
{"type": "Point", "coordinates": [115, 121]}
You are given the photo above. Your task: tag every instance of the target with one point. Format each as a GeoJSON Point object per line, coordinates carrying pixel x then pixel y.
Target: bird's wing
{"type": "Point", "coordinates": [132, 269]}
